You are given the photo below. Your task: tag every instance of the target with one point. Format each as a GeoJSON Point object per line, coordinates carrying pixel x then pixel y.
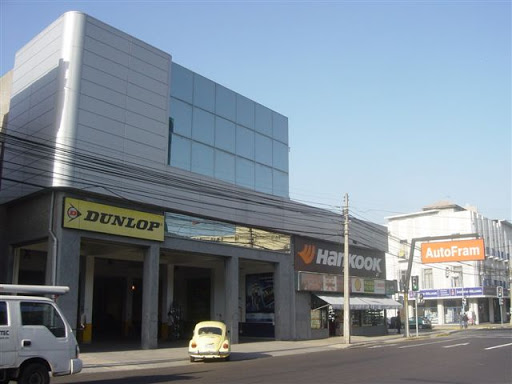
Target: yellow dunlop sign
{"type": "Point", "coordinates": [80, 214]}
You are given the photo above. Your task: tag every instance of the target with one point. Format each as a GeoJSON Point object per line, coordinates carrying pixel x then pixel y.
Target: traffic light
{"type": "Point", "coordinates": [415, 284]}
{"type": "Point", "coordinates": [447, 272]}
{"type": "Point", "coordinates": [499, 292]}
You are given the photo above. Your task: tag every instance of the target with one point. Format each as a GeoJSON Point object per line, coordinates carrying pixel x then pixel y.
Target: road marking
{"type": "Point", "coordinates": [455, 345]}
{"type": "Point", "coordinates": [382, 346]}
{"type": "Point", "coordinates": [498, 346]}
{"type": "Point", "coordinates": [419, 345]}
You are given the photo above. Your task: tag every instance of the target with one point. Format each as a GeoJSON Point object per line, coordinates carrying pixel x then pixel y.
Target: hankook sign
{"type": "Point", "coordinates": [88, 216]}
{"type": "Point", "coordinates": [323, 257]}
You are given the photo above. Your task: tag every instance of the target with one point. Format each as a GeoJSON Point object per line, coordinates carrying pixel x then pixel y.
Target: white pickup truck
{"type": "Point", "coordinates": [36, 341]}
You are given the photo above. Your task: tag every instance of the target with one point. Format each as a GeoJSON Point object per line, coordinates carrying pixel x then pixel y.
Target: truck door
{"type": "Point", "coordinates": [43, 333]}
{"type": "Point", "coordinates": [7, 336]}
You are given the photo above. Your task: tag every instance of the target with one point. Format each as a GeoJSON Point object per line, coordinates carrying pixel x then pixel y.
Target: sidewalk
{"type": "Point", "coordinates": [133, 359]}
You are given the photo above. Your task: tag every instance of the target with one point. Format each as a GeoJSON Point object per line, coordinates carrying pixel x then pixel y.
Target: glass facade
{"type": "Point", "coordinates": [198, 228]}
{"type": "Point", "coordinates": [221, 134]}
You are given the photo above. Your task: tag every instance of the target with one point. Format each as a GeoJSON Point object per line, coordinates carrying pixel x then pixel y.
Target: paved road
{"type": "Point", "coordinates": [477, 357]}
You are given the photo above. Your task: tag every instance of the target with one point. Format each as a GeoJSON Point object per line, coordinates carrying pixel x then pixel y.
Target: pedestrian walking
{"type": "Point", "coordinates": [465, 320]}
{"type": "Point", "coordinates": [398, 322]}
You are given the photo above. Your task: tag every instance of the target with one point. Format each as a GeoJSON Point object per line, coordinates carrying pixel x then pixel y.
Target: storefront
{"type": "Point", "coordinates": [444, 306]}
{"type": "Point", "coordinates": [318, 267]}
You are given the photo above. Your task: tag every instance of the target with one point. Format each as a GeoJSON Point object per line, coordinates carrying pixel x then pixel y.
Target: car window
{"type": "Point", "coordinates": [3, 313]}
{"type": "Point", "coordinates": [210, 331]}
{"type": "Point", "coordinates": [43, 314]}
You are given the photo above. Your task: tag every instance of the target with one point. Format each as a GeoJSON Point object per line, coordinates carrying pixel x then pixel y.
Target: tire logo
{"type": "Point", "coordinates": [308, 253]}
{"type": "Point", "coordinates": [73, 213]}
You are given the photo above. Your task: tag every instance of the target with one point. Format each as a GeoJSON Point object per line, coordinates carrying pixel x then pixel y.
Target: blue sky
{"type": "Point", "coordinates": [400, 104]}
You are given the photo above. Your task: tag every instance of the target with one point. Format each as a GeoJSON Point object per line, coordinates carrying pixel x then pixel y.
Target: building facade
{"type": "Point", "coordinates": [158, 196]}
{"type": "Point", "coordinates": [446, 286]}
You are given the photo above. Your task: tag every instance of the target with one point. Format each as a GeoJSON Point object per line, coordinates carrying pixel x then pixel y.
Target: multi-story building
{"type": "Point", "coordinates": [161, 197]}
{"type": "Point", "coordinates": [445, 286]}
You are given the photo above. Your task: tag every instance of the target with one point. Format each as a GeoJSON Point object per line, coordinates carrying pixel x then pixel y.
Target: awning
{"type": "Point", "coordinates": [359, 303]}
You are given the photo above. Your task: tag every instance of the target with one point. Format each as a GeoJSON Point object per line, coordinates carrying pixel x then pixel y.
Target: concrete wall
{"type": "Point", "coordinates": [35, 89]}
{"type": "Point", "coordinates": [83, 87]}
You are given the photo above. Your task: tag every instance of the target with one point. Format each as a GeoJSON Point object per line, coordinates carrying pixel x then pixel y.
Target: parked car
{"type": "Point", "coordinates": [423, 323]}
{"type": "Point", "coordinates": [209, 341]}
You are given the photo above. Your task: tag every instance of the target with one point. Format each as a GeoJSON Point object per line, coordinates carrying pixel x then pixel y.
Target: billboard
{"type": "Point", "coordinates": [324, 257]}
{"type": "Point", "coordinates": [259, 299]}
{"type": "Point", "coordinates": [89, 216]}
{"type": "Point", "coordinates": [447, 251]}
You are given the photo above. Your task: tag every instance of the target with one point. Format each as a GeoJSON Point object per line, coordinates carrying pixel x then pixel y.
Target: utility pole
{"type": "Point", "coordinates": [346, 279]}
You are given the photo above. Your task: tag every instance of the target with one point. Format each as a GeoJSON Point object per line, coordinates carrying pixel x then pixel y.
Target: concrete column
{"type": "Point", "coordinates": [232, 283]}
{"type": "Point", "coordinates": [67, 270]}
{"type": "Point", "coordinates": [284, 299]}
{"type": "Point", "coordinates": [16, 266]}
{"type": "Point", "coordinates": [473, 308]}
{"type": "Point", "coordinates": [218, 300]}
{"type": "Point", "coordinates": [440, 312]}
{"type": "Point", "coordinates": [86, 313]}
{"type": "Point", "coordinates": [149, 336]}
{"type": "Point", "coordinates": [167, 298]}
{"type": "Point", "coordinates": [128, 307]}
{"type": "Point", "coordinates": [491, 310]}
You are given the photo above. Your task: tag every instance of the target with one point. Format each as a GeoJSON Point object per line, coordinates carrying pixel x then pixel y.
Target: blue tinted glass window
{"type": "Point", "coordinates": [263, 152]}
{"type": "Point", "coordinates": [263, 120]}
{"type": "Point", "coordinates": [225, 134]}
{"type": "Point", "coordinates": [181, 83]}
{"type": "Point", "coordinates": [225, 102]}
{"type": "Point", "coordinates": [245, 173]}
{"type": "Point", "coordinates": [244, 111]}
{"type": "Point", "coordinates": [181, 114]}
{"type": "Point", "coordinates": [280, 127]}
{"type": "Point", "coordinates": [202, 159]}
{"type": "Point", "coordinates": [204, 93]}
{"type": "Point", "coordinates": [180, 152]}
{"type": "Point", "coordinates": [244, 142]}
{"type": "Point", "coordinates": [203, 126]}
{"type": "Point", "coordinates": [280, 156]}
{"type": "Point", "coordinates": [225, 166]}
{"type": "Point", "coordinates": [280, 183]}
{"type": "Point", "coordinates": [263, 178]}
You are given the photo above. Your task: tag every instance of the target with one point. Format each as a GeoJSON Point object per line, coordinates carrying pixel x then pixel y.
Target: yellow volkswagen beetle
{"type": "Point", "coordinates": [209, 341]}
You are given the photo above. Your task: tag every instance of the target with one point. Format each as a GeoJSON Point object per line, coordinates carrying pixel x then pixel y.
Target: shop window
{"type": "Point", "coordinates": [372, 318]}
{"type": "Point", "coordinates": [431, 314]}
{"type": "Point", "coordinates": [319, 313]}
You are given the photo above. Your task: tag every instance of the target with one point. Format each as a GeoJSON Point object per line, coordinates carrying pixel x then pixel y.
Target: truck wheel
{"type": "Point", "coordinates": [35, 373]}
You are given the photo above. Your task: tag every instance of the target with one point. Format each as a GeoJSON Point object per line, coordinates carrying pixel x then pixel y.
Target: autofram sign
{"type": "Point", "coordinates": [324, 257]}
{"type": "Point", "coordinates": [89, 216]}
{"type": "Point", "coordinates": [447, 251]}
